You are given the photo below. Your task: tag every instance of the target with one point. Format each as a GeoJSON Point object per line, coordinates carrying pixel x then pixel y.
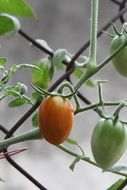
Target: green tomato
{"type": "Point", "coordinates": [38, 78]}
{"type": "Point", "coordinates": [108, 142]}
{"type": "Point", "coordinates": [120, 60]}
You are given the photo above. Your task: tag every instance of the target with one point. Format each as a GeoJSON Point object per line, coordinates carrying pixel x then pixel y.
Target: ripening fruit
{"type": "Point", "coordinates": [55, 119]}
{"type": "Point", "coordinates": [108, 142]}
{"type": "Point", "coordinates": [120, 60]}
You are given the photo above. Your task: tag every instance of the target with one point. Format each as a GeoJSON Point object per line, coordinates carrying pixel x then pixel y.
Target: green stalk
{"type": "Point", "coordinates": [96, 105]}
{"type": "Point", "coordinates": [90, 73]}
{"type": "Point", "coordinates": [30, 135]}
{"type": "Point", "coordinates": [86, 159]}
{"type": "Point", "coordinates": [120, 106]}
{"type": "Point", "coordinates": [93, 34]}
{"type": "Point", "coordinates": [91, 65]}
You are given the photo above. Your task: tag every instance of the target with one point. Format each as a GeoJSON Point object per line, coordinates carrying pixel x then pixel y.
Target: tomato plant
{"type": "Point", "coordinates": [55, 115]}
{"type": "Point", "coordinates": [55, 119]}
{"type": "Point", "coordinates": [120, 60]}
{"type": "Point", "coordinates": [108, 142]}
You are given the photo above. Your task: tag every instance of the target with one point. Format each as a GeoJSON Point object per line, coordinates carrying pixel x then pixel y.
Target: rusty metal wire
{"type": "Point", "coordinates": [122, 9]}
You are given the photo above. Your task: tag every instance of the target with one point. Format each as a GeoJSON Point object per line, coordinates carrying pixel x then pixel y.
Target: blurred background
{"type": "Point", "coordinates": [63, 24]}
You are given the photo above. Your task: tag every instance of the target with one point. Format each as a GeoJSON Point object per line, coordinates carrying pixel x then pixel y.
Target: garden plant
{"type": "Point", "coordinates": [55, 104]}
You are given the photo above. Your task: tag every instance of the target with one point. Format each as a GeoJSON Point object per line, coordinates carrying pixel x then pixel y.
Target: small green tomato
{"type": "Point", "coordinates": [120, 60]}
{"type": "Point", "coordinates": [108, 142]}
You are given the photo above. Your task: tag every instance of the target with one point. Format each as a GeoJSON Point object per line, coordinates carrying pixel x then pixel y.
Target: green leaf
{"type": "Point", "coordinates": [4, 80]}
{"type": "Point", "coordinates": [78, 72]}
{"type": "Point", "coordinates": [8, 23]}
{"type": "Point", "coordinates": [12, 93]}
{"type": "Point", "coordinates": [37, 96]}
{"type": "Point", "coordinates": [21, 66]}
{"type": "Point", "coordinates": [8, 74]}
{"type": "Point", "coordinates": [71, 141]}
{"type": "Point", "coordinates": [16, 7]}
{"type": "Point", "coordinates": [44, 44]}
{"type": "Point", "coordinates": [2, 61]}
{"type": "Point", "coordinates": [12, 70]}
{"type": "Point", "coordinates": [41, 79]}
{"type": "Point", "coordinates": [76, 160]}
{"type": "Point", "coordinates": [17, 102]}
{"type": "Point", "coordinates": [35, 120]}
{"type": "Point", "coordinates": [91, 83]}
{"type": "Point", "coordinates": [59, 56]}
{"type": "Point", "coordinates": [116, 185]}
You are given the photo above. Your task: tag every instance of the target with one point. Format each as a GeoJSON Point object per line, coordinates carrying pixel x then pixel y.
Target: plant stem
{"type": "Point", "coordinates": [67, 84]}
{"type": "Point", "coordinates": [67, 150]}
{"type": "Point", "coordinates": [96, 105]}
{"type": "Point", "coordinates": [86, 159]}
{"type": "Point", "coordinates": [30, 135]}
{"type": "Point", "coordinates": [90, 73]}
{"type": "Point", "coordinates": [91, 65]}
{"type": "Point", "coordinates": [34, 134]}
{"type": "Point", "coordinates": [116, 112]}
{"type": "Point", "coordinates": [93, 33]}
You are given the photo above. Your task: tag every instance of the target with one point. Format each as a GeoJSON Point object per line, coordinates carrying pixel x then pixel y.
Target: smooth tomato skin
{"type": "Point", "coordinates": [108, 142]}
{"type": "Point", "coordinates": [55, 119]}
{"type": "Point", "coordinates": [120, 60]}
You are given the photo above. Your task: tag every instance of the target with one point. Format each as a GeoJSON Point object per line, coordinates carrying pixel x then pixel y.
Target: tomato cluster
{"type": "Point", "coordinates": [109, 137]}
{"type": "Point", "coordinates": [55, 119]}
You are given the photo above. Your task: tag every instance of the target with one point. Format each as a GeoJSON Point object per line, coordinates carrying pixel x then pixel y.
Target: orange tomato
{"type": "Point", "coordinates": [55, 119]}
